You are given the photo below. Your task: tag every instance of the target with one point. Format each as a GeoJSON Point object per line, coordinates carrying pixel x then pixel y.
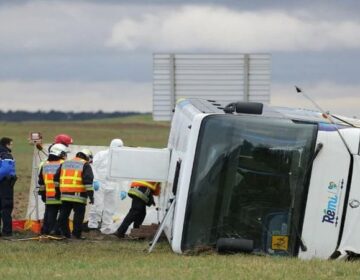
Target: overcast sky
{"type": "Point", "coordinates": [97, 55]}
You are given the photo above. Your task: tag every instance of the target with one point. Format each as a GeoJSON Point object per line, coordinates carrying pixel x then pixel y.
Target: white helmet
{"type": "Point", "coordinates": [116, 143]}
{"type": "Point", "coordinates": [58, 150]}
{"type": "Point", "coordinates": [87, 153]}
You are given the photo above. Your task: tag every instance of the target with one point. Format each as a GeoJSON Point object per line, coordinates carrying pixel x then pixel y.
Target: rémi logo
{"type": "Point", "coordinates": [330, 211]}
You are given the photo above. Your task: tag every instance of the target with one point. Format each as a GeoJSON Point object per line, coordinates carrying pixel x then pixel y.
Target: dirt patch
{"type": "Point", "coordinates": [20, 205]}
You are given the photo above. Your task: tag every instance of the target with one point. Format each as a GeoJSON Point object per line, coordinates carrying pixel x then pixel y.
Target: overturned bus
{"type": "Point", "coordinates": [255, 178]}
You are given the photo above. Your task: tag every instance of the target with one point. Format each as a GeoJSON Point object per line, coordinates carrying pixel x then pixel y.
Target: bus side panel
{"type": "Point", "coordinates": [326, 195]}
{"type": "Point", "coordinates": [350, 239]}
{"type": "Point", "coordinates": [183, 184]}
{"type": "Point", "coordinates": [178, 145]}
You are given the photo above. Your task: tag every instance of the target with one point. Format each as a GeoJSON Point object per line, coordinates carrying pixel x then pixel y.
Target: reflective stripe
{"type": "Point", "coordinates": [89, 187]}
{"type": "Point", "coordinates": [136, 192]}
{"type": "Point", "coordinates": [71, 176]}
{"type": "Point", "coordinates": [151, 185]}
{"type": "Point", "coordinates": [52, 201]}
{"type": "Point", "coordinates": [50, 193]}
{"type": "Point", "coordinates": [73, 198]}
{"type": "Point", "coordinates": [73, 189]}
{"type": "Point", "coordinates": [71, 181]}
{"type": "Point", "coordinates": [49, 169]}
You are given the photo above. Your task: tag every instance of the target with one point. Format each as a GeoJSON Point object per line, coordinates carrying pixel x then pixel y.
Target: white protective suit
{"type": "Point", "coordinates": [107, 196]}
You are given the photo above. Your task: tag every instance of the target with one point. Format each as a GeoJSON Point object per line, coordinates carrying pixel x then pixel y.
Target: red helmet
{"type": "Point", "coordinates": [63, 139]}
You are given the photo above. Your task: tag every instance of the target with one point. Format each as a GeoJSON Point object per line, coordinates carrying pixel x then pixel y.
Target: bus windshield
{"type": "Point", "coordinates": [249, 181]}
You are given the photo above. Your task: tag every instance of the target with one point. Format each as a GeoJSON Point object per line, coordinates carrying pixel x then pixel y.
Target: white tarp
{"type": "Point", "coordinates": [36, 207]}
{"type": "Point", "coordinates": [148, 164]}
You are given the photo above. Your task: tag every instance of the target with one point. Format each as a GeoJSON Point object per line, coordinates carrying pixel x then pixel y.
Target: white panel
{"type": "Point", "coordinates": [209, 76]}
{"type": "Point", "coordinates": [324, 207]}
{"type": "Point", "coordinates": [163, 92]}
{"type": "Point", "coordinates": [219, 76]}
{"type": "Point", "coordinates": [212, 71]}
{"type": "Point", "coordinates": [163, 97]}
{"type": "Point", "coordinates": [162, 118]}
{"type": "Point", "coordinates": [204, 93]}
{"type": "Point", "coordinates": [219, 88]}
{"type": "Point", "coordinates": [161, 87]}
{"type": "Point", "coordinates": [162, 103]}
{"type": "Point", "coordinates": [160, 71]}
{"type": "Point", "coordinates": [139, 163]}
{"type": "Point", "coordinates": [161, 77]}
{"type": "Point", "coordinates": [352, 139]}
{"type": "Point", "coordinates": [210, 82]}
{"type": "Point", "coordinates": [163, 107]}
{"type": "Point", "coordinates": [259, 88]}
{"type": "Point", "coordinates": [265, 99]}
{"type": "Point", "coordinates": [350, 240]}
{"type": "Point", "coordinates": [162, 82]}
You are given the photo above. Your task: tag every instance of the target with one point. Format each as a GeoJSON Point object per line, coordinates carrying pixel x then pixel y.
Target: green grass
{"type": "Point", "coordinates": [128, 260]}
{"type": "Point", "coordinates": [134, 131]}
{"type": "Point", "coordinates": [125, 259]}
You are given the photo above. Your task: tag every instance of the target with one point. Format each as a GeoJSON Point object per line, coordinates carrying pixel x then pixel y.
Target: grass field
{"type": "Point", "coordinates": [134, 131]}
{"type": "Point", "coordinates": [114, 259]}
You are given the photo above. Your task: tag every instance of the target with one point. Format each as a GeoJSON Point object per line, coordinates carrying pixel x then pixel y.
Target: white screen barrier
{"type": "Point", "coordinates": [220, 77]}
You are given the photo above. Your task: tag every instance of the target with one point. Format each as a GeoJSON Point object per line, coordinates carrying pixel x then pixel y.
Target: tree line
{"type": "Point", "coordinates": [18, 116]}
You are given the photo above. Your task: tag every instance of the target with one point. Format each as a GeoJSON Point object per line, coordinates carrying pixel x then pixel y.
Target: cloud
{"type": "Point", "coordinates": [58, 26]}
{"type": "Point", "coordinates": [49, 27]}
{"type": "Point", "coordinates": [75, 96]}
{"type": "Point", "coordinates": [221, 29]}
{"type": "Point", "coordinates": [78, 43]}
{"type": "Point", "coordinates": [336, 98]}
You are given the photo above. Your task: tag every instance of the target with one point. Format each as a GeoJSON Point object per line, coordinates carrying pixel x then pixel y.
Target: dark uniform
{"type": "Point", "coordinates": [73, 182]}
{"type": "Point", "coordinates": [48, 194]}
{"type": "Point", "coordinates": [141, 193]}
{"type": "Point", "coordinates": [7, 183]}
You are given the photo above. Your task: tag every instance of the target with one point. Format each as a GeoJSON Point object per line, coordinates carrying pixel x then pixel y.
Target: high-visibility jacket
{"type": "Point", "coordinates": [49, 169]}
{"type": "Point", "coordinates": [71, 185]}
{"type": "Point", "coordinates": [154, 186]}
{"type": "Point", "coordinates": [144, 190]}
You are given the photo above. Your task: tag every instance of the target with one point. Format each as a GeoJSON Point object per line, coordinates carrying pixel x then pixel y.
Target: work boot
{"type": "Point", "coordinates": [55, 233]}
{"type": "Point", "coordinates": [65, 235]}
{"type": "Point", "coordinates": [86, 228]}
{"type": "Point", "coordinates": [79, 237]}
{"type": "Point", "coordinates": [119, 235]}
{"type": "Point", "coordinates": [6, 236]}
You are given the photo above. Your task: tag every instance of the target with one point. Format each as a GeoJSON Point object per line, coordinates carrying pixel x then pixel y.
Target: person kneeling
{"type": "Point", "coordinates": [141, 193]}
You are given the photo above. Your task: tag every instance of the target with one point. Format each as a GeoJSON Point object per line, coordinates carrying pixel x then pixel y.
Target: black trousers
{"type": "Point", "coordinates": [6, 205]}
{"type": "Point", "coordinates": [50, 224]}
{"type": "Point", "coordinates": [136, 215]}
{"type": "Point", "coordinates": [79, 213]}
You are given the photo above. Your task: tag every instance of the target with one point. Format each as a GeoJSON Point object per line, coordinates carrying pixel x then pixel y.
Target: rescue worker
{"type": "Point", "coordinates": [141, 193]}
{"type": "Point", "coordinates": [106, 193]}
{"type": "Point", "coordinates": [74, 184]}
{"type": "Point", "coordinates": [57, 155]}
{"type": "Point", "coordinates": [62, 139]}
{"type": "Point", "coordinates": [7, 182]}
